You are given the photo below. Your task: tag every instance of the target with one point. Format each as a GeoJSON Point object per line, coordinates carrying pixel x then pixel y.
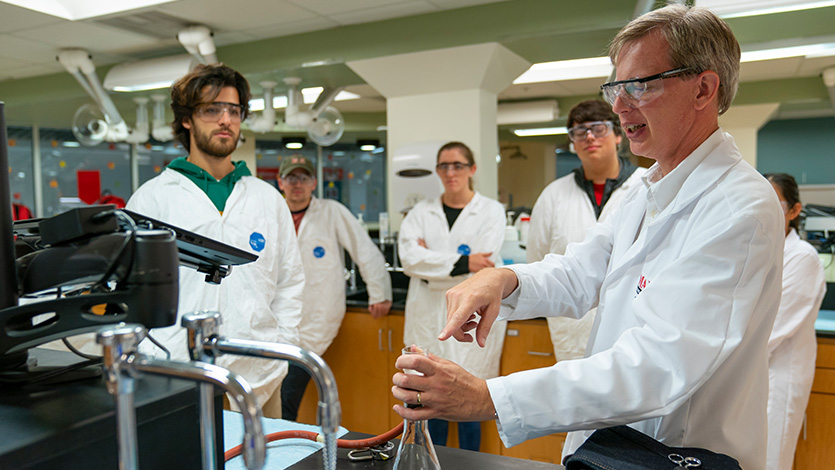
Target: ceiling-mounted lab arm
{"type": "Point", "coordinates": [160, 129]}
{"type": "Point", "coordinates": [197, 40]}
{"type": "Point", "coordinates": [140, 132]}
{"type": "Point", "coordinates": [80, 65]}
{"type": "Point", "coordinates": [266, 121]}
{"type": "Point", "coordinates": [324, 100]}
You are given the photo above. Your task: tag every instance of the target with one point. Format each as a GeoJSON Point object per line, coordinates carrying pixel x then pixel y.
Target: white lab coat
{"type": "Point", "coordinates": [480, 227]}
{"type": "Point", "coordinates": [792, 348]}
{"type": "Point", "coordinates": [686, 302]}
{"type": "Point", "coordinates": [259, 301]}
{"type": "Point", "coordinates": [326, 229]}
{"type": "Point", "coordinates": [563, 214]}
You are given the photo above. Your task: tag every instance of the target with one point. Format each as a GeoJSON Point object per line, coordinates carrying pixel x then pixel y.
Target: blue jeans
{"type": "Point", "coordinates": [469, 433]}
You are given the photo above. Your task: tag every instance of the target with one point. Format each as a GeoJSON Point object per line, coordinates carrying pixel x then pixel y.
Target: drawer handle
{"type": "Point", "coordinates": [390, 350]}
{"type": "Point", "coordinates": [380, 339]}
{"type": "Point", "coordinates": [542, 354]}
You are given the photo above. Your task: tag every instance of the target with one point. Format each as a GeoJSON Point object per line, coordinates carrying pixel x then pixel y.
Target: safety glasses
{"type": "Point", "coordinates": [212, 112]}
{"type": "Point", "coordinates": [455, 166]}
{"type": "Point", "coordinates": [297, 179]}
{"type": "Point", "coordinates": [598, 129]}
{"type": "Point", "coordinates": [637, 92]}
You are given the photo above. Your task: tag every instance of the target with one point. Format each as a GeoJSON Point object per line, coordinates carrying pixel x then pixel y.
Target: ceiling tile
{"type": "Point", "coordinates": [89, 36]}
{"type": "Point", "coordinates": [297, 27]}
{"type": "Point", "coordinates": [815, 66]}
{"type": "Point", "coordinates": [330, 7]}
{"type": "Point", "coordinates": [29, 71]}
{"type": "Point", "coordinates": [450, 4]}
{"type": "Point", "coordinates": [222, 15]}
{"type": "Point", "coordinates": [26, 49]}
{"type": "Point", "coordinates": [769, 69]}
{"type": "Point", "coordinates": [14, 18]}
{"type": "Point", "coordinates": [383, 13]}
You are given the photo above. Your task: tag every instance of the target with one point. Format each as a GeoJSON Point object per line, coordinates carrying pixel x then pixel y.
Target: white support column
{"type": "Point", "coordinates": [743, 123]}
{"type": "Point", "coordinates": [444, 95]}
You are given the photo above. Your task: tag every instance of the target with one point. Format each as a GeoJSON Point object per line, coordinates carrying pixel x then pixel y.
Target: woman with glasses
{"type": "Point", "coordinates": [441, 242]}
{"type": "Point", "coordinates": [792, 346]}
{"type": "Point", "coordinates": [571, 205]}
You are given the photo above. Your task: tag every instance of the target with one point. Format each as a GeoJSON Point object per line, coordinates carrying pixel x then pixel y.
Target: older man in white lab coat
{"type": "Point", "coordinates": [686, 276]}
{"type": "Point", "coordinates": [210, 194]}
{"type": "Point", "coordinates": [325, 228]}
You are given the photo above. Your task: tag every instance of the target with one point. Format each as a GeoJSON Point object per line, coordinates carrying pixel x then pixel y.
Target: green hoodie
{"type": "Point", "coordinates": [218, 191]}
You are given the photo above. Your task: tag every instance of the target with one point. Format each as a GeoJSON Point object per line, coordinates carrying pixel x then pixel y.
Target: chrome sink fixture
{"type": "Point", "coordinates": [205, 345]}
{"type": "Point", "coordinates": [123, 365]}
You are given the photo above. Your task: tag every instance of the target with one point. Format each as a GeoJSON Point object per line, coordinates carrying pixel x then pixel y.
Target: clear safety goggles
{"type": "Point", "coordinates": [455, 166]}
{"type": "Point", "coordinates": [297, 179]}
{"type": "Point", "coordinates": [598, 129]}
{"type": "Point", "coordinates": [212, 112]}
{"type": "Point", "coordinates": [637, 92]}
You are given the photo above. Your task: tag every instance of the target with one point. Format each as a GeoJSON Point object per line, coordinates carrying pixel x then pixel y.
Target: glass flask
{"type": "Point", "coordinates": [416, 451]}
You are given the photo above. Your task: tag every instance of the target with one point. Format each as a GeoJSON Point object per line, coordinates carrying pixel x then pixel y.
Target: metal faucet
{"type": "Point", "coordinates": [205, 344]}
{"type": "Point", "coordinates": [122, 365]}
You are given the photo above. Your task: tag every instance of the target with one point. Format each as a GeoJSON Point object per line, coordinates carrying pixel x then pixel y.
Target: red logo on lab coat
{"type": "Point", "coordinates": [642, 284]}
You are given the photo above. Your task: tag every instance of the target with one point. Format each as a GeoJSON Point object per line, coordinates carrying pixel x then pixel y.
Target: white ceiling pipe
{"type": "Point", "coordinates": [197, 40]}
{"type": "Point", "coordinates": [160, 129]}
{"type": "Point", "coordinates": [266, 121]}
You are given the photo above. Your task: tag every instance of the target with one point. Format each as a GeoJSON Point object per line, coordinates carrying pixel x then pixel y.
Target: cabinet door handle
{"type": "Point", "coordinates": [390, 350]}
{"type": "Point", "coordinates": [380, 339]}
{"type": "Point", "coordinates": [805, 423]}
{"type": "Point", "coordinates": [542, 354]}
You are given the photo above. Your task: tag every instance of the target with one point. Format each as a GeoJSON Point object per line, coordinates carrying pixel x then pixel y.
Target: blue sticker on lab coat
{"type": "Point", "coordinates": [319, 252]}
{"type": "Point", "coordinates": [257, 241]}
{"type": "Point", "coordinates": [463, 249]}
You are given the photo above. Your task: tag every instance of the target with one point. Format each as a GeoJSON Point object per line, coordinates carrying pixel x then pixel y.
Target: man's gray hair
{"type": "Point", "coordinates": [698, 39]}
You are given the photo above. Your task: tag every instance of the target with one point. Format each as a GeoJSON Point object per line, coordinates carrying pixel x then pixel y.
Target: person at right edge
{"type": "Point", "coordinates": [792, 346]}
{"type": "Point", "coordinates": [685, 276]}
{"type": "Point", "coordinates": [571, 205]}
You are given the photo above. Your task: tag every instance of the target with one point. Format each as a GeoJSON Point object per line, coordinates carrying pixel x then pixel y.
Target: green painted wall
{"type": "Point", "coordinates": [803, 148]}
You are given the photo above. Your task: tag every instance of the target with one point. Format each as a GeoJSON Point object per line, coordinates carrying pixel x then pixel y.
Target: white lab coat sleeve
{"type": "Point", "coordinates": [364, 252]}
{"type": "Point", "coordinates": [562, 285]}
{"type": "Point", "coordinates": [286, 304]}
{"type": "Point", "coordinates": [417, 261]}
{"type": "Point", "coordinates": [539, 231]}
{"type": "Point", "coordinates": [692, 316]}
{"type": "Point", "coordinates": [803, 289]}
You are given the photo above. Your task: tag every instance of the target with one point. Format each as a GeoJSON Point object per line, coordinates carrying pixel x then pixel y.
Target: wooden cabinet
{"type": "Point", "coordinates": [528, 346]}
{"type": "Point", "coordinates": [362, 359]}
{"type": "Point", "coordinates": [816, 446]}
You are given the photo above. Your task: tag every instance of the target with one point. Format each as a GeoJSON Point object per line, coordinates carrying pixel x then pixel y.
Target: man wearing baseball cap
{"type": "Point", "coordinates": [325, 228]}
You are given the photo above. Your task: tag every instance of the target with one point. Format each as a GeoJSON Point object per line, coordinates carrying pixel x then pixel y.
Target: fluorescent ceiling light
{"type": "Point", "coordinates": [741, 8]}
{"type": "Point", "coordinates": [309, 95]}
{"type": "Point", "coordinates": [809, 50]}
{"type": "Point", "coordinates": [71, 143]}
{"type": "Point", "coordinates": [294, 145]}
{"type": "Point", "coordinates": [594, 67]}
{"type": "Point", "coordinates": [540, 131]}
{"type": "Point", "coordinates": [82, 9]}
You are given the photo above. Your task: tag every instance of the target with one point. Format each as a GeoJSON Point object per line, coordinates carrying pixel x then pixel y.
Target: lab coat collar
{"type": "Point", "coordinates": [472, 206]}
{"type": "Point", "coordinates": [693, 176]}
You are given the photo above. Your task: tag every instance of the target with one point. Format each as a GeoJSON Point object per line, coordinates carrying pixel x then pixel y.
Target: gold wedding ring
{"type": "Point", "coordinates": [418, 398]}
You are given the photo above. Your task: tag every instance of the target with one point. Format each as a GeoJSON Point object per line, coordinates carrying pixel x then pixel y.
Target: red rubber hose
{"type": "Point", "coordinates": [313, 436]}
